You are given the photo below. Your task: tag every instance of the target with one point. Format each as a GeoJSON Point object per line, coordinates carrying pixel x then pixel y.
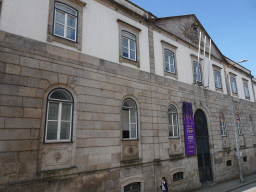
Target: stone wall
{"type": "Point", "coordinates": [94, 161]}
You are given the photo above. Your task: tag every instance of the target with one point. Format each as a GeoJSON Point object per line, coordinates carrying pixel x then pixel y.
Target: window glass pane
{"type": "Point", "coordinates": [65, 8]}
{"type": "Point", "coordinates": [125, 119]}
{"type": "Point", "coordinates": [71, 33]}
{"type": "Point", "coordinates": [170, 131]}
{"type": "Point", "coordinates": [199, 78]}
{"type": "Point", "coordinates": [133, 45]}
{"type": "Point", "coordinates": [71, 21]}
{"type": "Point", "coordinates": [127, 188]}
{"type": "Point", "coordinates": [128, 35]}
{"type": "Point", "coordinates": [175, 119]}
{"type": "Point", "coordinates": [128, 104]}
{"type": "Point", "coordinates": [176, 131]}
{"type": "Point", "coordinates": [166, 59]}
{"type": "Point", "coordinates": [59, 29]}
{"type": "Point", "coordinates": [60, 17]}
{"type": "Point", "coordinates": [65, 130]}
{"type": "Point", "coordinates": [53, 111]}
{"type": "Point", "coordinates": [133, 130]}
{"type": "Point", "coordinates": [60, 95]}
{"type": "Point", "coordinates": [125, 52]}
{"type": "Point", "coordinates": [172, 109]}
{"type": "Point", "coordinates": [125, 42]}
{"type": "Point", "coordinates": [135, 186]}
{"type": "Point", "coordinates": [170, 119]}
{"type": "Point", "coordinates": [195, 76]}
{"type": "Point", "coordinates": [52, 127]}
{"type": "Point", "coordinates": [172, 69]}
{"type": "Point", "coordinates": [132, 56]}
{"type": "Point", "coordinates": [167, 67]}
{"type": "Point", "coordinates": [133, 116]}
{"type": "Point", "coordinates": [66, 109]}
{"type": "Point", "coordinates": [171, 60]}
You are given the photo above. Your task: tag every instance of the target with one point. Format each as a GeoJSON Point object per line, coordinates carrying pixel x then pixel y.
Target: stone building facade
{"type": "Point", "coordinates": [39, 69]}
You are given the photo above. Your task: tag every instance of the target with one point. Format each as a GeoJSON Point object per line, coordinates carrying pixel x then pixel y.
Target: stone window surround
{"type": "Point", "coordinates": [176, 170]}
{"type": "Point", "coordinates": [234, 76]}
{"type": "Point", "coordinates": [76, 4]}
{"type": "Point", "coordinates": [225, 125]}
{"type": "Point", "coordinates": [217, 68]}
{"type": "Point", "coordinates": [246, 81]}
{"type": "Point", "coordinates": [173, 48]}
{"type": "Point", "coordinates": [122, 25]}
{"type": "Point", "coordinates": [71, 117]}
{"type": "Point", "coordinates": [195, 58]}
{"type": "Point", "coordinates": [134, 179]}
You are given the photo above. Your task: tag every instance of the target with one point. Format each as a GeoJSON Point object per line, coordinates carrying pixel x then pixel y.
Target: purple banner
{"type": "Point", "coordinates": [189, 129]}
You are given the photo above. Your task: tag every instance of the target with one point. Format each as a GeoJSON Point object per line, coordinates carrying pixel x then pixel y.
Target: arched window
{"type": "Point", "coordinates": [197, 72]}
{"type": "Point", "coordinates": [65, 21]}
{"type": "Point", "coordinates": [233, 84]}
{"type": "Point", "coordinates": [169, 61]}
{"type": "Point", "coordinates": [251, 125]}
{"type": "Point", "coordinates": [59, 116]}
{"type": "Point", "coordinates": [129, 46]}
{"type": "Point", "coordinates": [133, 187]}
{"type": "Point", "coordinates": [173, 122]}
{"type": "Point", "coordinates": [222, 124]}
{"type": "Point", "coordinates": [238, 124]}
{"type": "Point", "coordinates": [129, 119]}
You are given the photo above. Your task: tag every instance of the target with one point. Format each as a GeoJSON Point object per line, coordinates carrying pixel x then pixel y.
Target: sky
{"type": "Point", "coordinates": [231, 24]}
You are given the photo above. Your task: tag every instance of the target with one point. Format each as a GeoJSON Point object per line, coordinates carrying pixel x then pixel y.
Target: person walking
{"type": "Point", "coordinates": [164, 185]}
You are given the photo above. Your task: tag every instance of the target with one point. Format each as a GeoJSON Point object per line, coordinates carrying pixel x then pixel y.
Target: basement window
{"type": "Point", "coordinates": [229, 163]}
{"type": "Point", "coordinates": [177, 176]}
{"type": "Point", "coordinates": [245, 159]}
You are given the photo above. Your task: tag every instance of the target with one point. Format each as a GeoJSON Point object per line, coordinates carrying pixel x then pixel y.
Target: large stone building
{"type": "Point", "coordinates": [91, 99]}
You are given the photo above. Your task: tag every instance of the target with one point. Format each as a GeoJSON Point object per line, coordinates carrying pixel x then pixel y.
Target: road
{"type": "Point", "coordinates": [247, 188]}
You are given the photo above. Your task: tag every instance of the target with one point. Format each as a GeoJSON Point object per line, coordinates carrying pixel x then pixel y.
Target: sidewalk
{"type": "Point", "coordinates": [229, 185]}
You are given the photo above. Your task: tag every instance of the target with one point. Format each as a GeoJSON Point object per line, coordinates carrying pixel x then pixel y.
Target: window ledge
{"type": "Point", "coordinates": [129, 61]}
{"type": "Point", "coordinates": [57, 142]}
{"type": "Point", "coordinates": [131, 161]}
{"type": "Point", "coordinates": [218, 89]}
{"type": "Point", "coordinates": [167, 73]}
{"type": "Point", "coordinates": [176, 156]}
{"type": "Point", "coordinates": [174, 137]}
{"type": "Point", "coordinates": [51, 37]}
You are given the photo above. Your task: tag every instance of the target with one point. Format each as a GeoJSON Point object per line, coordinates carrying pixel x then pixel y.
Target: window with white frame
{"type": "Point", "coordinates": [65, 21]}
{"type": "Point", "coordinates": [238, 125]}
{"type": "Point", "coordinates": [217, 79]}
{"type": "Point", "coordinates": [129, 119]}
{"type": "Point", "coordinates": [59, 116]}
{"type": "Point", "coordinates": [222, 124]}
{"type": "Point", "coordinates": [251, 125]}
{"type": "Point", "coordinates": [197, 72]}
{"type": "Point", "coordinates": [169, 61]}
{"type": "Point", "coordinates": [233, 84]}
{"type": "Point", "coordinates": [173, 122]}
{"type": "Point", "coordinates": [128, 45]}
{"type": "Point", "coordinates": [246, 90]}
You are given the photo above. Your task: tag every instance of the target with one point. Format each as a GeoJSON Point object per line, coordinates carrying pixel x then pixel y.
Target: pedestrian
{"type": "Point", "coordinates": [164, 185]}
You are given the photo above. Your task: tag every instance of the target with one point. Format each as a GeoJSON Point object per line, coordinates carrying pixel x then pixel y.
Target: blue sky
{"type": "Point", "coordinates": [230, 23]}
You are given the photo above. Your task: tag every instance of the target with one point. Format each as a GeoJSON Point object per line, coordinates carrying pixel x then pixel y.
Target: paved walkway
{"type": "Point", "coordinates": [229, 185]}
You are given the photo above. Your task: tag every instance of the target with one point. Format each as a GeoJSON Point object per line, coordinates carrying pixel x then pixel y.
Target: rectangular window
{"type": "Point", "coordinates": [217, 79]}
{"type": "Point", "coordinates": [129, 51]}
{"type": "Point", "coordinates": [197, 72]}
{"type": "Point", "coordinates": [129, 46]}
{"type": "Point", "coordinates": [233, 85]}
{"type": "Point", "coordinates": [169, 61]}
{"type": "Point", "coordinates": [65, 22]}
{"type": "Point", "coordinates": [246, 90]}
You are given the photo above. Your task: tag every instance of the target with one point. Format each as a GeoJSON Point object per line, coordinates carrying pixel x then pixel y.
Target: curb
{"type": "Point", "coordinates": [239, 186]}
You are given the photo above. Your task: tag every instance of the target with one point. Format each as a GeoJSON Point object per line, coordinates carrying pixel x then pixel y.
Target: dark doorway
{"type": "Point", "coordinates": [202, 143]}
